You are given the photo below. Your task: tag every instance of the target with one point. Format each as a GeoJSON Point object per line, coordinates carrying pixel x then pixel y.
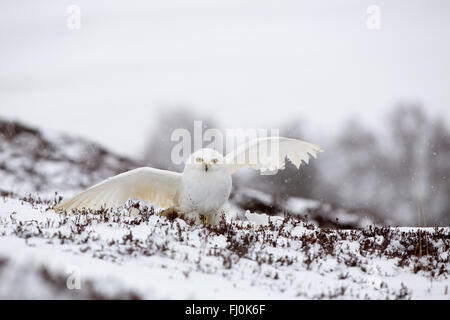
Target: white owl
{"type": "Point", "coordinates": [201, 189]}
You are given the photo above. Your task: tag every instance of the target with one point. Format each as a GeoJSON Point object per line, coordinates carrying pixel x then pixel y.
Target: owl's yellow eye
{"type": "Point", "coordinates": [199, 159]}
{"type": "Point", "coordinates": [215, 161]}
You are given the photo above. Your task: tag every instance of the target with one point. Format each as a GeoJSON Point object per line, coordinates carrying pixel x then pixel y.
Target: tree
{"type": "Point", "coordinates": [437, 201]}
{"type": "Point", "coordinates": [395, 172]}
{"type": "Point", "coordinates": [353, 170]}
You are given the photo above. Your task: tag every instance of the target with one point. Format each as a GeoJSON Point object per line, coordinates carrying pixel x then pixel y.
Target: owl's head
{"type": "Point", "coordinates": [207, 160]}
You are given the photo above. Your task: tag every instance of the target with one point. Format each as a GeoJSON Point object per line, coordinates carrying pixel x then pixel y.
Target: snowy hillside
{"type": "Point", "coordinates": [45, 162]}
{"type": "Point", "coordinates": [131, 253]}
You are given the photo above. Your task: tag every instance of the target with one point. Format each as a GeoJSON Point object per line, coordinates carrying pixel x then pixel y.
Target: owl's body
{"type": "Point", "coordinates": [203, 191]}
{"type": "Point", "coordinates": [202, 188]}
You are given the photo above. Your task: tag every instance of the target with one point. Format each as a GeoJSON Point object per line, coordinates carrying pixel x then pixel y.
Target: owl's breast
{"type": "Point", "coordinates": [204, 192]}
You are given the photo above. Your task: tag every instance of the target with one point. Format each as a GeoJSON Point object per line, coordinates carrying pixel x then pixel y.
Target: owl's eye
{"type": "Point", "coordinates": [215, 161]}
{"type": "Point", "coordinates": [199, 159]}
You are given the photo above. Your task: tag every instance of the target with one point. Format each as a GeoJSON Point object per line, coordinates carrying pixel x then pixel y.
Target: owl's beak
{"type": "Point", "coordinates": [206, 167]}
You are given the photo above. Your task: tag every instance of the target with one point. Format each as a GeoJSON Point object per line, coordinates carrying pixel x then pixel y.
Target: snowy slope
{"type": "Point", "coordinates": [35, 161]}
{"type": "Point", "coordinates": [132, 253]}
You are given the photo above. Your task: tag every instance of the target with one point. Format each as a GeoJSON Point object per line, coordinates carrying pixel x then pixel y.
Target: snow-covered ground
{"type": "Point", "coordinates": [132, 253]}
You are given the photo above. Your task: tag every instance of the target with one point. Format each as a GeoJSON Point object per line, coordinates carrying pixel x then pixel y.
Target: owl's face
{"type": "Point", "coordinates": [206, 160]}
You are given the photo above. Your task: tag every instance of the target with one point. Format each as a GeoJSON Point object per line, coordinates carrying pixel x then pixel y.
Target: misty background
{"type": "Point", "coordinates": [376, 100]}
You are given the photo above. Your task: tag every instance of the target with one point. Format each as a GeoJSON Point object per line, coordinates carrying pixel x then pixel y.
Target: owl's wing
{"type": "Point", "coordinates": [159, 187]}
{"type": "Point", "coordinates": [269, 154]}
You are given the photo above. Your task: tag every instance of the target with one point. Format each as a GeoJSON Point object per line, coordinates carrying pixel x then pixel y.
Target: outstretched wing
{"type": "Point", "coordinates": [159, 187]}
{"type": "Point", "coordinates": [269, 154]}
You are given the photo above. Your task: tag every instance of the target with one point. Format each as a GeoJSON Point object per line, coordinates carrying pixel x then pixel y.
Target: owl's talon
{"type": "Point", "coordinates": [205, 220]}
{"type": "Point", "coordinates": [170, 214]}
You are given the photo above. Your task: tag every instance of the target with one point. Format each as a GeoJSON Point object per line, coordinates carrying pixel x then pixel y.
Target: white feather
{"type": "Point", "coordinates": [159, 187]}
{"type": "Point", "coordinates": [250, 154]}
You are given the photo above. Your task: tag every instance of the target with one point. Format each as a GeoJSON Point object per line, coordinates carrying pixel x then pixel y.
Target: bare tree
{"type": "Point", "coordinates": [353, 171]}
{"type": "Point", "coordinates": [437, 201]}
{"type": "Point", "coordinates": [395, 174]}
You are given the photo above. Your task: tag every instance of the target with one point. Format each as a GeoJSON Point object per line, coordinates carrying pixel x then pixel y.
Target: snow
{"type": "Point", "coordinates": [122, 255]}
{"type": "Point", "coordinates": [300, 205]}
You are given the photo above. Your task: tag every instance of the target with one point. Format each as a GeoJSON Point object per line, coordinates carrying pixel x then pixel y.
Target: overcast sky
{"type": "Point", "coordinates": [247, 63]}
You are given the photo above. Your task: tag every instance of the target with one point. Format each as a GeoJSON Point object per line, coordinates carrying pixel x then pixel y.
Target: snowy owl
{"type": "Point", "coordinates": [201, 189]}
